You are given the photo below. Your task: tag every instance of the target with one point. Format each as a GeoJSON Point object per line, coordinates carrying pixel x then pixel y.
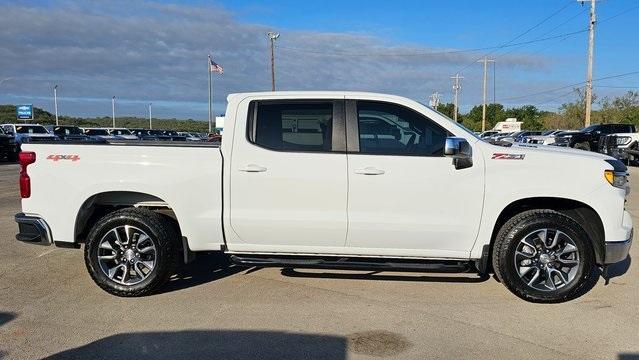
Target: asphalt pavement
{"type": "Point", "coordinates": [49, 307]}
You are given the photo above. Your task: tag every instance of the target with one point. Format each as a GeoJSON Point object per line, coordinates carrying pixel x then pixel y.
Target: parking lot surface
{"type": "Point", "coordinates": [49, 307]}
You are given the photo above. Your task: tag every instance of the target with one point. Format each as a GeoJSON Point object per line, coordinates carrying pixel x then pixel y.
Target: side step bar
{"type": "Point", "coordinates": [353, 263]}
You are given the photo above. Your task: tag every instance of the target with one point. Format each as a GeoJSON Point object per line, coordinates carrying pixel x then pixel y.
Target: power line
{"type": "Point", "coordinates": [385, 54]}
{"type": "Point", "coordinates": [572, 91]}
{"type": "Point", "coordinates": [546, 33]}
{"type": "Point", "coordinates": [619, 14]}
{"type": "Point", "coordinates": [523, 33]}
{"type": "Point", "coordinates": [571, 85]}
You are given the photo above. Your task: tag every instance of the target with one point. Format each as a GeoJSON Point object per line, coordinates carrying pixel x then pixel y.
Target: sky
{"type": "Point", "coordinates": [156, 51]}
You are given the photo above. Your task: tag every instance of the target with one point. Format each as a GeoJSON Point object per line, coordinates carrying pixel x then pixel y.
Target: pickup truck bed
{"type": "Point", "coordinates": [186, 178]}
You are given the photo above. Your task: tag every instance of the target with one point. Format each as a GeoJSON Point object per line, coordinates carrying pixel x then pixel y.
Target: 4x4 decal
{"type": "Point", "coordinates": [63, 157]}
{"type": "Point", "coordinates": [505, 156]}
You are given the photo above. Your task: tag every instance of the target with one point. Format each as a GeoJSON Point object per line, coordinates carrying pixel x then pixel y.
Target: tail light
{"type": "Point", "coordinates": [25, 158]}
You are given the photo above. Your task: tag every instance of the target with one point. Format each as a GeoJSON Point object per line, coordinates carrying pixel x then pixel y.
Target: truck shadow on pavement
{"type": "Point", "coordinates": [205, 268]}
{"type": "Point", "coordinates": [5, 317]}
{"type": "Point", "coordinates": [211, 344]}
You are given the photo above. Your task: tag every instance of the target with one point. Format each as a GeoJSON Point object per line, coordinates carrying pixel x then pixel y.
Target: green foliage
{"type": "Point", "coordinates": [8, 115]}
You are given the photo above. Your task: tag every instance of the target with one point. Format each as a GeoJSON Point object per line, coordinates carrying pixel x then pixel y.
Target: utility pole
{"type": "Point", "coordinates": [55, 103]}
{"type": "Point", "coordinates": [272, 37]}
{"type": "Point", "coordinates": [591, 45]}
{"type": "Point", "coordinates": [150, 117]}
{"type": "Point", "coordinates": [456, 88]}
{"type": "Point", "coordinates": [485, 60]}
{"type": "Point", "coordinates": [113, 110]}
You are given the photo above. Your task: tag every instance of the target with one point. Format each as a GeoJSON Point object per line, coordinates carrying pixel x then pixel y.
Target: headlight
{"type": "Point", "coordinates": [623, 140]}
{"type": "Point", "coordinates": [616, 178]}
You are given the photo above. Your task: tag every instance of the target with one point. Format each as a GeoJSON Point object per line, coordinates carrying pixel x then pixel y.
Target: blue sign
{"type": "Point", "coordinates": [24, 112]}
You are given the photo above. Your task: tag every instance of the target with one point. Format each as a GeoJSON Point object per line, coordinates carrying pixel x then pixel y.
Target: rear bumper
{"type": "Point", "coordinates": [617, 251]}
{"type": "Point", "coordinates": [33, 230]}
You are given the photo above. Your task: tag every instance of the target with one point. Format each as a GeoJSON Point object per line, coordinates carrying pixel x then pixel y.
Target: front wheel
{"type": "Point", "coordinates": [131, 252]}
{"type": "Point", "coordinates": [544, 256]}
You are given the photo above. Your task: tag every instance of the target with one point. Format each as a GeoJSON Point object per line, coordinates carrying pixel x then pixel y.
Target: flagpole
{"type": "Point", "coordinates": [208, 65]}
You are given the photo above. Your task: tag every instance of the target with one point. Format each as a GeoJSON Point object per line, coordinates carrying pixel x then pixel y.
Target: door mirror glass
{"type": "Point", "coordinates": [459, 149]}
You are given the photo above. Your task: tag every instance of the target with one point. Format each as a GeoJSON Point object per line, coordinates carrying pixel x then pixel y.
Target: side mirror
{"type": "Point", "coordinates": [459, 149]}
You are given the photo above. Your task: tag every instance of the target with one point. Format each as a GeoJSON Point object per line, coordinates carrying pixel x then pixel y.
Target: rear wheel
{"type": "Point", "coordinates": [544, 256]}
{"type": "Point", "coordinates": [131, 252]}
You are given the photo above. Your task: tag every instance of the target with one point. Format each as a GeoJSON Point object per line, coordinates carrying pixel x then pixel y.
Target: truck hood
{"type": "Point", "coordinates": [566, 133]}
{"type": "Point", "coordinates": [550, 151]}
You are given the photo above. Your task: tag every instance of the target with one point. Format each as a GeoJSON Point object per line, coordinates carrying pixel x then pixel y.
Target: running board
{"type": "Point", "coordinates": [353, 263]}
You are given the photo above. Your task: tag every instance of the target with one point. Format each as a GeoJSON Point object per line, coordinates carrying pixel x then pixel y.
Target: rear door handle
{"type": "Point", "coordinates": [253, 168]}
{"type": "Point", "coordinates": [369, 170]}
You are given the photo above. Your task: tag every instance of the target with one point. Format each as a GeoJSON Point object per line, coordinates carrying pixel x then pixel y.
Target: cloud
{"type": "Point", "coordinates": [145, 51]}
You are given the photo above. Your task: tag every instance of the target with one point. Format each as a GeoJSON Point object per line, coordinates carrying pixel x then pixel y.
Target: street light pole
{"type": "Point", "coordinates": [55, 103]}
{"type": "Point", "coordinates": [272, 37]}
{"type": "Point", "coordinates": [485, 60]}
{"type": "Point", "coordinates": [591, 45]}
{"type": "Point", "coordinates": [150, 117]}
{"type": "Point", "coordinates": [113, 110]}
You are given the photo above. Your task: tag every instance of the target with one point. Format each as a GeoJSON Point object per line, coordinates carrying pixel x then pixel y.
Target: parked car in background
{"type": "Point", "coordinates": [8, 147]}
{"type": "Point", "coordinates": [99, 134]}
{"type": "Point", "coordinates": [143, 134]}
{"type": "Point", "coordinates": [488, 133]}
{"type": "Point", "coordinates": [546, 138]}
{"type": "Point", "coordinates": [122, 133]}
{"type": "Point", "coordinates": [214, 137]}
{"type": "Point", "coordinates": [622, 146]}
{"type": "Point", "coordinates": [519, 136]}
{"type": "Point", "coordinates": [25, 133]}
{"type": "Point", "coordinates": [174, 135]}
{"type": "Point", "coordinates": [588, 138]}
{"type": "Point", "coordinates": [67, 132]}
{"type": "Point", "coordinates": [189, 136]}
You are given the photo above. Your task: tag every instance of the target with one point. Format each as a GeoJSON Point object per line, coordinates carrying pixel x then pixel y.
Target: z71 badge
{"type": "Point", "coordinates": [63, 157]}
{"type": "Point", "coordinates": [504, 156]}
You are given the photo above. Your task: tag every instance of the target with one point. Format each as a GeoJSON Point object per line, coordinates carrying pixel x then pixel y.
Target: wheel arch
{"type": "Point", "coordinates": [103, 203]}
{"type": "Point", "coordinates": [582, 213]}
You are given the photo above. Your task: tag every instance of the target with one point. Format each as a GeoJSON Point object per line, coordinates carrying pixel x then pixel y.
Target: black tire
{"type": "Point", "coordinates": [525, 223]}
{"type": "Point", "coordinates": [161, 233]}
{"type": "Point", "coordinates": [582, 146]}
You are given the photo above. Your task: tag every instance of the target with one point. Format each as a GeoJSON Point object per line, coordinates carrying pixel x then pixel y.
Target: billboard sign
{"type": "Point", "coordinates": [24, 112]}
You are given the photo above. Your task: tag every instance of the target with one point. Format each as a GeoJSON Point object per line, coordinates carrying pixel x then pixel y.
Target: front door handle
{"type": "Point", "coordinates": [369, 170]}
{"type": "Point", "coordinates": [253, 168]}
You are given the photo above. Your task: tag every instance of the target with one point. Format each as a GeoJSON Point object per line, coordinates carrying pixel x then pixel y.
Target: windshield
{"type": "Point", "coordinates": [120, 132]}
{"type": "Point", "coordinates": [96, 132]}
{"type": "Point", "coordinates": [60, 130]}
{"type": "Point", "coordinates": [460, 125]}
{"type": "Point", "coordinates": [31, 129]}
{"type": "Point", "coordinates": [156, 132]}
{"type": "Point", "coordinates": [589, 128]}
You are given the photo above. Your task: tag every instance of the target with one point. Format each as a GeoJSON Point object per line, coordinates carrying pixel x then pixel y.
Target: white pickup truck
{"type": "Point", "coordinates": [341, 180]}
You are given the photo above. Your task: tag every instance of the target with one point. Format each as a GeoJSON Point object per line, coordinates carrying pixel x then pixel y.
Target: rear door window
{"type": "Point", "coordinates": [293, 126]}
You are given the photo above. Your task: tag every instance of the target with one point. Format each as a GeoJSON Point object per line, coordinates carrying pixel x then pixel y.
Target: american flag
{"type": "Point", "coordinates": [214, 67]}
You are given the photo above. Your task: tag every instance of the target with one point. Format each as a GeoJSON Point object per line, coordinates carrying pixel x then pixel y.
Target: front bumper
{"type": "Point", "coordinates": [617, 251]}
{"type": "Point", "coordinates": [33, 230]}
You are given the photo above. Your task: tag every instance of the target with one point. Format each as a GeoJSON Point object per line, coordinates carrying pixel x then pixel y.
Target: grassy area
{"type": "Point", "coordinates": [8, 115]}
